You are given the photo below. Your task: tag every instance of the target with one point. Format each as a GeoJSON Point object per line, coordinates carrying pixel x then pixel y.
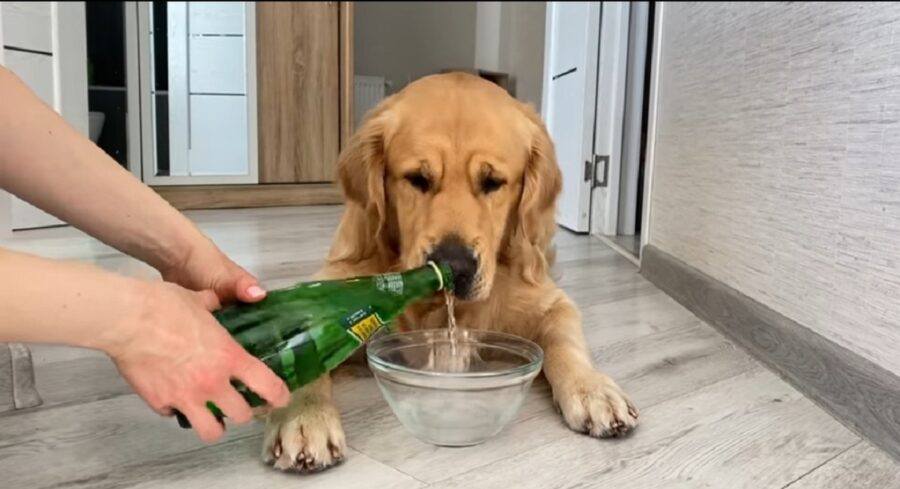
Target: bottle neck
{"type": "Point", "coordinates": [425, 280]}
{"type": "Point", "coordinates": [444, 276]}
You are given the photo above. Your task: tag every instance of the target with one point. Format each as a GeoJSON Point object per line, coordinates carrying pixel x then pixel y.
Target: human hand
{"type": "Point", "coordinates": [176, 356]}
{"type": "Point", "coordinates": [207, 268]}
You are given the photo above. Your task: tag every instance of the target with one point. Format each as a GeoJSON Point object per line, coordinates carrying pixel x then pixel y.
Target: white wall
{"type": "Point", "coordinates": [510, 39]}
{"type": "Point", "coordinates": [403, 41]}
{"type": "Point", "coordinates": [487, 35]}
{"type": "Point", "coordinates": [777, 165]}
{"type": "Point", "coordinates": [522, 48]}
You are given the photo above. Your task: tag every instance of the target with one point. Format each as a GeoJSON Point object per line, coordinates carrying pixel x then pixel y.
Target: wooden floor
{"type": "Point", "coordinates": [629, 244]}
{"type": "Point", "coordinates": [711, 416]}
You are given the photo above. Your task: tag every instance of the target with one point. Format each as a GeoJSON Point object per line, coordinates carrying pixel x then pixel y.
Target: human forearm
{"type": "Point", "coordinates": [47, 301]}
{"type": "Point", "coordinates": [46, 162]}
{"type": "Point", "coordinates": [162, 337]}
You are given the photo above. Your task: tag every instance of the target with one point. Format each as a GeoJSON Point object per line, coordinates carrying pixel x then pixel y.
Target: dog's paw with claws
{"type": "Point", "coordinates": [304, 439]}
{"type": "Point", "coordinates": [596, 406]}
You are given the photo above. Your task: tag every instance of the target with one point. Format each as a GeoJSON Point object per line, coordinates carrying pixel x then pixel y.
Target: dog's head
{"type": "Point", "coordinates": [451, 169]}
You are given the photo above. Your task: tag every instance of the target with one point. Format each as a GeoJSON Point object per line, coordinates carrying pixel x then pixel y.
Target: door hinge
{"type": "Point", "coordinates": [601, 170]}
{"type": "Point", "coordinates": [588, 171]}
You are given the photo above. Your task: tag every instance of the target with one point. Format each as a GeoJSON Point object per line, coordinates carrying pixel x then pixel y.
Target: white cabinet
{"type": "Point", "coordinates": [38, 40]}
{"type": "Point", "coordinates": [28, 25]}
{"type": "Point", "coordinates": [226, 18]}
{"type": "Point", "coordinates": [210, 95]}
{"type": "Point", "coordinates": [218, 135]}
{"type": "Point", "coordinates": [36, 70]}
{"type": "Point", "coordinates": [217, 65]}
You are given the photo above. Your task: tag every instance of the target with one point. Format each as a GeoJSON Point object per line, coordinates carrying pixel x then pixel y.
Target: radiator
{"type": "Point", "coordinates": [368, 91]}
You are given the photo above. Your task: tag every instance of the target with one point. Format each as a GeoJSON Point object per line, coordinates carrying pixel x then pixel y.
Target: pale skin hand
{"type": "Point", "coordinates": [161, 336]}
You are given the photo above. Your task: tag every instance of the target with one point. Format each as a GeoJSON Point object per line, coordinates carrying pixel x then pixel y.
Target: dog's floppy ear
{"type": "Point", "coordinates": [361, 173]}
{"type": "Point", "coordinates": [536, 217]}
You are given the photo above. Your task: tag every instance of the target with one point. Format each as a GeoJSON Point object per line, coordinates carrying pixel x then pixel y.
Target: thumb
{"type": "Point", "coordinates": [247, 289]}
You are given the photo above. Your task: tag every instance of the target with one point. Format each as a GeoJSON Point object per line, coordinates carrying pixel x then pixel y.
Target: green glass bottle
{"type": "Point", "coordinates": [302, 332]}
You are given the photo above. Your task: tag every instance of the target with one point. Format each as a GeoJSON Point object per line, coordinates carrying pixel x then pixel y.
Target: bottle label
{"type": "Point", "coordinates": [390, 282]}
{"type": "Point", "coordinates": [363, 324]}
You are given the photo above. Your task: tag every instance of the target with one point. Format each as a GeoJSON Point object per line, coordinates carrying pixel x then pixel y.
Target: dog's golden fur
{"type": "Point", "coordinates": [456, 155]}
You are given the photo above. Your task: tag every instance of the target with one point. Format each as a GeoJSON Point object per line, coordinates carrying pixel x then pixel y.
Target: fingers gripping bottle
{"type": "Point", "coordinates": [304, 331]}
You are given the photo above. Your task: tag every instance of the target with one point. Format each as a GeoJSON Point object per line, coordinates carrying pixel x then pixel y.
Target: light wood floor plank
{"type": "Point", "coordinates": [674, 363]}
{"type": "Point", "coordinates": [861, 467]}
{"type": "Point", "coordinates": [751, 431]}
{"type": "Point", "coordinates": [43, 447]}
{"type": "Point", "coordinates": [712, 417]}
{"type": "Point", "coordinates": [236, 464]}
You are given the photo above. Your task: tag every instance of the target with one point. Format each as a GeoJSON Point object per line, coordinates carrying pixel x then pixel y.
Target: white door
{"type": "Point", "coordinates": [610, 117]}
{"type": "Point", "coordinates": [584, 89]}
{"type": "Point", "coordinates": [570, 81]}
{"type": "Point", "coordinates": [45, 44]}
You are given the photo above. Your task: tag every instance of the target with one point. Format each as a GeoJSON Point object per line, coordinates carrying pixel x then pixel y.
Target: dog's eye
{"type": "Point", "coordinates": [490, 184]}
{"type": "Point", "coordinates": [419, 181]}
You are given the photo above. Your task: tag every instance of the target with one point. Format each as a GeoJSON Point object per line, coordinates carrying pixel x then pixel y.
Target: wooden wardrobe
{"type": "Point", "coordinates": [304, 112]}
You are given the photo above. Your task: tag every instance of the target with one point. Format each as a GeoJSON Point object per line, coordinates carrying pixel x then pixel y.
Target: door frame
{"type": "Point", "coordinates": [609, 117]}
{"type": "Point", "coordinates": [636, 79]}
{"type": "Point", "coordinates": [652, 114]}
{"type": "Point", "coordinates": [133, 91]}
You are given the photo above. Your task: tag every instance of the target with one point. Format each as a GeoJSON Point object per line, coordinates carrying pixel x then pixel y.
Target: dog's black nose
{"type": "Point", "coordinates": [453, 252]}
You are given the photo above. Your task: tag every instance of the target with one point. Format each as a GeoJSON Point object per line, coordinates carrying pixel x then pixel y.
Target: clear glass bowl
{"type": "Point", "coordinates": [450, 397]}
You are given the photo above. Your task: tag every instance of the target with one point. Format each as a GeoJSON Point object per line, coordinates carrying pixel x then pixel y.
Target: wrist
{"type": "Point", "coordinates": [129, 310]}
{"type": "Point", "coordinates": [177, 253]}
{"type": "Point", "coordinates": [169, 244]}
{"type": "Point", "coordinates": [180, 254]}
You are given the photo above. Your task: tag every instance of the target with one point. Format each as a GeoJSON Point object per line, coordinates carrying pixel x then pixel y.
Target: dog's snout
{"type": "Point", "coordinates": [454, 253]}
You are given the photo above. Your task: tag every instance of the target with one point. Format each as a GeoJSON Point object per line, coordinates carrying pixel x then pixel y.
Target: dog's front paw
{"type": "Point", "coordinates": [304, 438]}
{"type": "Point", "coordinates": [595, 405]}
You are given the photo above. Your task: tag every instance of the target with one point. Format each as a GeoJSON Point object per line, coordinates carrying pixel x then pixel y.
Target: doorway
{"type": "Point", "coordinates": [595, 90]}
{"type": "Point", "coordinates": [107, 87]}
{"type": "Point", "coordinates": [634, 158]}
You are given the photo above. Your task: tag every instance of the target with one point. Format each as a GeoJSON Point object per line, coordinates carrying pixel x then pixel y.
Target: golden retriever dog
{"type": "Point", "coordinates": [454, 169]}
